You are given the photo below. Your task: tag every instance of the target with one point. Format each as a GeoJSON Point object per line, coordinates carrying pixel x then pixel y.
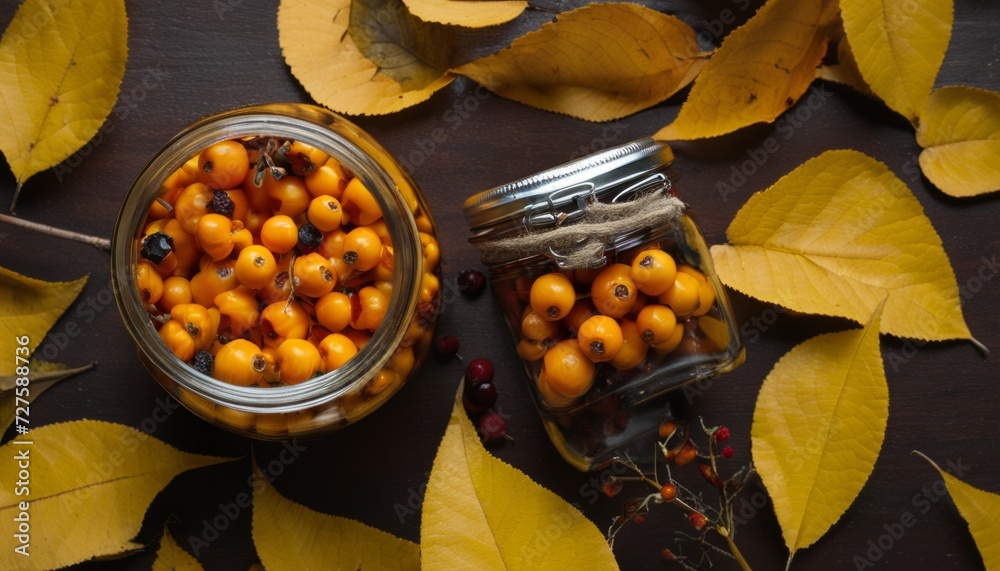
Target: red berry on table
{"type": "Point", "coordinates": [727, 452]}
{"type": "Point", "coordinates": [483, 394]}
{"type": "Point", "coordinates": [471, 408]}
{"type": "Point", "coordinates": [478, 371]}
{"type": "Point", "coordinates": [612, 486]}
{"type": "Point", "coordinates": [491, 428]}
{"type": "Point", "coordinates": [471, 282]}
{"type": "Point", "coordinates": [721, 434]}
{"type": "Point", "coordinates": [446, 346]}
{"type": "Point", "coordinates": [697, 520]}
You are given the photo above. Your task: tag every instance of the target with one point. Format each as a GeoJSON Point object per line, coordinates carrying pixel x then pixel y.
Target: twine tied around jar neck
{"type": "Point", "coordinates": [581, 245]}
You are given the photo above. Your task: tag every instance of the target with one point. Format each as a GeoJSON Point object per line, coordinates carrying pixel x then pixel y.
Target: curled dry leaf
{"type": "Point", "coordinates": [599, 62]}
{"type": "Point", "coordinates": [981, 510]}
{"type": "Point", "coordinates": [899, 46]}
{"type": "Point", "coordinates": [84, 472]}
{"type": "Point", "coordinates": [29, 307]}
{"type": "Point", "coordinates": [838, 235]}
{"type": "Point", "coordinates": [481, 513]}
{"type": "Point", "coordinates": [170, 556]}
{"type": "Point", "coordinates": [319, 40]}
{"type": "Point", "coordinates": [41, 377]}
{"type": "Point", "coordinates": [467, 13]}
{"type": "Point", "coordinates": [760, 70]}
{"type": "Point", "coordinates": [61, 65]}
{"type": "Point", "coordinates": [291, 536]}
{"type": "Point", "coordinates": [960, 133]}
{"type": "Point", "coordinates": [818, 427]}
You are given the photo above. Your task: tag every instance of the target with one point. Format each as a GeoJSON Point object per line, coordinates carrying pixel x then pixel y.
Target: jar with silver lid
{"type": "Point", "coordinates": [608, 290]}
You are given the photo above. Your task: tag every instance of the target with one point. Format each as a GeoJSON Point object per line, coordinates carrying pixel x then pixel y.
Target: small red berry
{"type": "Point", "coordinates": [697, 520]}
{"type": "Point", "coordinates": [638, 519]}
{"type": "Point", "coordinates": [686, 454]}
{"type": "Point", "coordinates": [491, 428]}
{"type": "Point", "coordinates": [727, 452]}
{"type": "Point", "coordinates": [483, 394]}
{"type": "Point", "coordinates": [478, 371]}
{"type": "Point", "coordinates": [668, 555]}
{"type": "Point", "coordinates": [471, 408]}
{"type": "Point", "coordinates": [668, 492]}
{"type": "Point", "coordinates": [471, 282]}
{"type": "Point", "coordinates": [446, 346]}
{"type": "Point", "coordinates": [721, 434]}
{"type": "Point", "coordinates": [612, 486]}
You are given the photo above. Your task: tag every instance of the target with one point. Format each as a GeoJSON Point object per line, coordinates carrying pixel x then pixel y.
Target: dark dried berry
{"type": "Point", "coordinates": [471, 282]}
{"type": "Point", "coordinates": [478, 371]}
{"type": "Point", "coordinates": [156, 247]}
{"type": "Point", "coordinates": [471, 408]}
{"type": "Point", "coordinates": [203, 362]}
{"type": "Point", "coordinates": [221, 204]}
{"type": "Point", "coordinates": [446, 346]}
{"type": "Point", "coordinates": [309, 236]}
{"type": "Point", "coordinates": [484, 394]}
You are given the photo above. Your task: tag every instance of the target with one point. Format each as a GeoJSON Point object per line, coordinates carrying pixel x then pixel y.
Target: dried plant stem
{"type": "Point", "coordinates": [102, 243]}
{"type": "Point", "coordinates": [735, 550]}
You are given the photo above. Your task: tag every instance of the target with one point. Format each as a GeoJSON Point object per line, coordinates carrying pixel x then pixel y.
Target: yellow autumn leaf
{"type": "Point", "coordinates": [171, 557]}
{"type": "Point", "coordinates": [818, 427]}
{"type": "Point", "coordinates": [981, 510]}
{"type": "Point", "coordinates": [760, 70]}
{"type": "Point", "coordinates": [467, 13]}
{"type": "Point", "coordinates": [29, 308]}
{"type": "Point", "coordinates": [84, 472]}
{"type": "Point", "coordinates": [481, 513]}
{"type": "Point", "coordinates": [960, 133]}
{"type": "Point", "coordinates": [291, 536]}
{"type": "Point", "coordinates": [42, 375]}
{"type": "Point", "coordinates": [61, 65]}
{"type": "Point", "coordinates": [845, 71]}
{"type": "Point", "coordinates": [599, 62]}
{"type": "Point", "coordinates": [899, 46]}
{"type": "Point", "coordinates": [836, 236]}
{"type": "Point", "coordinates": [324, 56]}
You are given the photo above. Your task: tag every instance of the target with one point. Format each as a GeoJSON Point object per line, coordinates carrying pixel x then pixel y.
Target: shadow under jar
{"type": "Point", "coordinates": [607, 326]}
{"type": "Point", "coordinates": [331, 396]}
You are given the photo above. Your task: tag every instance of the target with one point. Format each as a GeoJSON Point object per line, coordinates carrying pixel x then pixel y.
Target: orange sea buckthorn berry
{"type": "Point", "coordinates": [305, 159]}
{"type": "Point", "coordinates": [271, 375]}
{"type": "Point", "coordinates": [278, 289]}
{"type": "Point", "coordinates": [333, 311]}
{"type": "Point", "coordinates": [241, 307]}
{"type": "Point", "coordinates": [325, 213]}
{"type": "Point", "coordinates": [196, 321]}
{"type": "Point", "coordinates": [424, 223]}
{"type": "Point", "coordinates": [176, 290]}
{"type": "Point", "coordinates": [653, 271]}
{"type": "Point", "coordinates": [215, 236]}
{"type": "Point", "coordinates": [568, 370]}
{"type": "Point", "coordinates": [381, 381]}
{"type": "Point", "coordinates": [582, 310]}
{"type": "Point", "coordinates": [163, 205]}
{"type": "Point", "coordinates": [215, 278]}
{"type": "Point", "coordinates": [149, 281]}
{"type": "Point", "coordinates": [706, 293]}
{"type": "Point", "coordinates": [362, 249]}
{"type": "Point", "coordinates": [254, 222]}
{"type": "Point", "coordinates": [283, 320]}
{"type": "Point", "coordinates": [329, 180]}
{"type": "Point", "coordinates": [223, 165]}
{"type": "Point", "coordinates": [332, 245]}
{"type": "Point", "coordinates": [373, 304]}
{"type": "Point", "coordinates": [633, 349]}
{"type": "Point", "coordinates": [657, 323]}
{"type": "Point", "coordinates": [185, 247]}
{"type": "Point", "coordinates": [430, 285]}
{"type": "Point", "coordinates": [358, 337]}
{"type": "Point", "coordinates": [240, 362]}
{"type": "Point", "coordinates": [191, 205]}
{"type": "Point", "coordinates": [289, 195]}
{"type": "Point", "coordinates": [382, 230]}
{"type": "Point", "coordinates": [552, 296]}
{"type": "Point", "coordinates": [256, 196]}
{"type": "Point", "coordinates": [191, 167]}
{"type": "Point", "coordinates": [613, 291]}
{"type": "Point", "coordinates": [586, 276]}
{"type": "Point", "coordinates": [402, 361]}
{"type": "Point", "coordinates": [359, 203]}
{"type": "Point", "coordinates": [255, 267]}
{"type": "Point", "coordinates": [312, 276]}
{"type": "Point", "coordinates": [641, 301]}
{"type": "Point", "coordinates": [335, 350]}
{"type": "Point", "coordinates": [683, 296]}
{"type": "Point", "coordinates": [531, 350]}
{"type": "Point", "coordinates": [242, 238]}
{"type": "Point", "coordinates": [549, 395]}
{"type": "Point", "coordinates": [298, 360]}
{"type": "Point", "coordinates": [177, 339]}
{"type": "Point", "coordinates": [671, 342]}
{"type": "Point", "coordinates": [537, 328]}
{"type": "Point", "coordinates": [600, 338]}
{"type": "Point", "coordinates": [279, 234]}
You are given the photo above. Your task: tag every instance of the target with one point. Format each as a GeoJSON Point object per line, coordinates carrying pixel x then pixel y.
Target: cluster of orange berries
{"type": "Point", "coordinates": [577, 320]}
{"type": "Point", "coordinates": [267, 262]}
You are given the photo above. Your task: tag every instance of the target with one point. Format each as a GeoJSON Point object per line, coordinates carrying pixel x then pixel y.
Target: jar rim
{"type": "Point", "coordinates": [339, 138]}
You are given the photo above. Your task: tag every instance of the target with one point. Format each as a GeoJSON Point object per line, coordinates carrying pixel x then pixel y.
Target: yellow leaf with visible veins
{"type": "Point", "coordinates": [818, 427]}
{"type": "Point", "coordinates": [845, 71]}
{"type": "Point", "coordinates": [599, 62]}
{"type": "Point", "coordinates": [468, 13]}
{"type": "Point", "coordinates": [61, 65]}
{"type": "Point", "coordinates": [318, 40]}
{"type": "Point", "coordinates": [960, 133]}
{"type": "Point", "coordinates": [481, 513]}
{"type": "Point", "coordinates": [760, 70]}
{"type": "Point", "coordinates": [170, 556]}
{"type": "Point", "coordinates": [91, 483]}
{"type": "Point", "coordinates": [836, 236]}
{"type": "Point", "coordinates": [291, 536]}
{"type": "Point", "coordinates": [899, 46]}
{"type": "Point", "coordinates": [981, 510]}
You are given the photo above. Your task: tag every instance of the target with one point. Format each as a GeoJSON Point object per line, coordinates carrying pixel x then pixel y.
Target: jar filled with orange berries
{"type": "Point", "coordinates": [608, 289]}
{"type": "Point", "coordinates": [278, 270]}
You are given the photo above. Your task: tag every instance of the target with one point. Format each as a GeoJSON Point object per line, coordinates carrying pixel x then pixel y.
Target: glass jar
{"type": "Point", "coordinates": [382, 365]}
{"type": "Point", "coordinates": [629, 396]}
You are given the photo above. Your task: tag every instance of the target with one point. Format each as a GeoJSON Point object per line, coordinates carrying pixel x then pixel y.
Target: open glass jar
{"type": "Point", "coordinates": [605, 336]}
{"type": "Point", "coordinates": [326, 397]}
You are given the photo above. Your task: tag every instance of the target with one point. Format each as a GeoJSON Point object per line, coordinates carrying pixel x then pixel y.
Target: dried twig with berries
{"type": "Point", "coordinates": [676, 448]}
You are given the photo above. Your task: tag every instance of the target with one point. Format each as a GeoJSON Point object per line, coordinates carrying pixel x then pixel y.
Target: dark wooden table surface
{"type": "Point", "coordinates": [188, 60]}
